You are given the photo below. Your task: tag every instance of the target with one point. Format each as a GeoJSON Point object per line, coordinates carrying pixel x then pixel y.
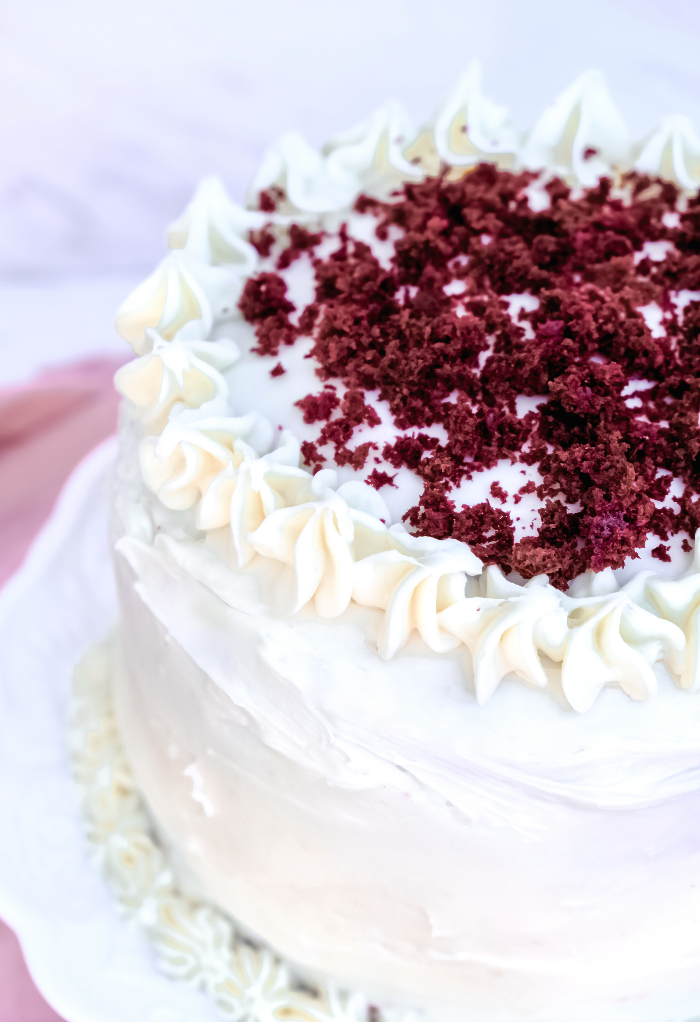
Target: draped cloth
{"type": "Point", "coordinates": [46, 427]}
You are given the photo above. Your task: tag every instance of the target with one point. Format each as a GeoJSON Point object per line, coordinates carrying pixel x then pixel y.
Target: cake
{"type": "Point", "coordinates": [404, 522]}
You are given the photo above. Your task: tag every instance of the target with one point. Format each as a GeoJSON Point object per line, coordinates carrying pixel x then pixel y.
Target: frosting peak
{"type": "Point", "coordinates": [671, 151]}
{"type": "Point", "coordinates": [181, 296]}
{"type": "Point", "coordinates": [469, 128]}
{"type": "Point", "coordinates": [366, 158]}
{"type": "Point", "coordinates": [175, 372]}
{"type": "Point", "coordinates": [581, 135]}
{"type": "Point", "coordinates": [181, 464]}
{"type": "Point", "coordinates": [212, 228]}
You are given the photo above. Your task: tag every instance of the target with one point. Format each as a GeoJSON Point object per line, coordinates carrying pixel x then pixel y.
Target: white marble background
{"type": "Point", "coordinates": [111, 111]}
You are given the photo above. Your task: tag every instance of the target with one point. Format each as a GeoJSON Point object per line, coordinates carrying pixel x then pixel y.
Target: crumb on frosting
{"type": "Point", "coordinates": [454, 357]}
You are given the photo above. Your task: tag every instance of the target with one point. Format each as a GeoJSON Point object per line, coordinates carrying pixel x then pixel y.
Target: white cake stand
{"type": "Point", "coordinates": [88, 963]}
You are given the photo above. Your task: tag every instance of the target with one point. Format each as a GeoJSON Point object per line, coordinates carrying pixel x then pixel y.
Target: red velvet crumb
{"type": "Point", "coordinates": [606, 453]}
{"type": "Point", "coordinates": [262, 241]}
{"type": "Point", "coordinates": [300, 241]}
{"type": "Point", "coordinates": [498, 492]}
{"type": "Point", "coordinates": [378, 479]}
{"type": "Point", "coordinates": [269, 199]}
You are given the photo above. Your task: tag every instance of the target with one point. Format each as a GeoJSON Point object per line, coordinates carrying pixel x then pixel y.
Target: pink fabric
{"type": "Point", "coordinates": [46, 428]}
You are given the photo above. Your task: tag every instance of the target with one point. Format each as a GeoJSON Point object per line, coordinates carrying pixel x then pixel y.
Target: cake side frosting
{"type": "Point", "coordinates": [306, 791]}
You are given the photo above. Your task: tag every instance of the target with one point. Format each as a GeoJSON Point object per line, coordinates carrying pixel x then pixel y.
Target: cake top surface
{"type": "Point", "coordinates": [554, 348]}
{"type": "Point", "coordinates": [449, 375]}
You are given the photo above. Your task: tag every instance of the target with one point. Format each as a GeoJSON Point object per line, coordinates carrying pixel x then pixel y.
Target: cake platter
{"type": "Point", "coordinates": [88, 963]}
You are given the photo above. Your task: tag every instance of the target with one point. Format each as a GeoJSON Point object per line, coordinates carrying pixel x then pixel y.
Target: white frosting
{"type": "Point", "coordinates": [612, 640]}
{"type": "Point", "coordinates": [195, 943]}
{"type": "Point", "coordinates": [505, 633]}
{"type": "Point", "coordinates": [367, 158]}
{"type": "Point", "coordinates": [678, 600]}
{"type": "Point", "coordinates": [671, 151]}
{"type": "Point", "coordinates": [413, 579]}
{"type": "Point", "coordinates": [191, 453]}
{"type": "Point", "coordinates": [244, 494]}
{"type": "Point", "coordinates": [213, 229]}
{"type": "Point", "coordinates": [201, 281]}
{"type": "Point", "coordinates": [583, 118]}
{"type": "Point", "coordinates": [391, 832]}
{"type": "Point", "coordinates": [181, 296]}
{"type": "Point", "coordinates": [175, 372]}
{"type": "Point", "coordinates": [316, 537]}
{"type": "Point", "coordinates": [468, 128]}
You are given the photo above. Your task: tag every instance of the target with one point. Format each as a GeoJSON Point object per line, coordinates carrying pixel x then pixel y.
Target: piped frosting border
{"type": "Point", "coordinates": [338, 540]}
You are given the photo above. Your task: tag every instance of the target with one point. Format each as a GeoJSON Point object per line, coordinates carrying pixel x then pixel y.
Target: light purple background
{"type": "Point", "coordinates": [111, 111]}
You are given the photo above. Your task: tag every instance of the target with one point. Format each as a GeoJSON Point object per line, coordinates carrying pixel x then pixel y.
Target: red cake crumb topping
{"type": "Point", "coordinates": [458, 360]}
{"type": "Point", "coordinates": [269, 199]}
{"type": "Point", "coordinates": [318, 408]}
{"type": "Point", "coordinates": [300, 241]}
{"type": "Point", "coordinates": [378, 479]}
{"type": "Point", "coordinates": [498, 492]}
{"type": "Point", "coordinates": [265, 303]}
{"type": "Point", "coordinates": [262, 241]}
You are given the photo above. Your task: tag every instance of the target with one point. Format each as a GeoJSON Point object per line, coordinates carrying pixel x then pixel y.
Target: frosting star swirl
{"type": "Point", "coordinates": [581, 135]}
{"type": "Point", "coordinates": [180, 465]}
{"type": "Point", "coordinates": [466, 128]}
{"type": "Point", "coordinates": [316, 536]}
{"type": "Point", "coordinates": [175, 372]}
{"type": "Point", "coordinates": [367, 158]}
{"type": "Point", "coordinates": [212, 229]}
{"type": "Point", "coordinates": [413, 580]}
{"type": "Point", "coordinates": [201, 280]}
{"type": "Point", "coordinates": [180, 295]}
{"type": "Point", "coordinates": [671, 151]}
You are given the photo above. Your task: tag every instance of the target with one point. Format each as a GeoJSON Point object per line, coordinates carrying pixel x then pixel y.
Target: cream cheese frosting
{"type": "Point", "coordinates": [177, 372]}
{"type": "Point", "coordinates": [672, 150]}
{"type": "Point", "coordinates": [581, 136]}
{"type": "Point", "coordinates": [413, 818]}
{"type": "Point", "coordinates": [340, 550]}
{"type": "Point", "coordinates": [347, 775]}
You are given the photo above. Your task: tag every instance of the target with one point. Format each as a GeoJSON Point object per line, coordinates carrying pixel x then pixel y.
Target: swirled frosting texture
{"type": "Point", "coordinates": [176, 372]}
{"type": "Point", "coordinates": [467, 128]}
{"type": "Point", "coordinates": [367, 158]}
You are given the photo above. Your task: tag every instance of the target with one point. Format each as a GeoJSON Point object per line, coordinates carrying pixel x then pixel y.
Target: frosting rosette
{"type": "Point", "coordinates": [193, 450]}
{"type": "Point", "coordinates": [366, 158]}
{"type": "Point", "coordinates": [581, 136]}
{"type": "Point", "coordinates": [329, 528]}
{"type": "Point", "coordinates": [315, 536]}
{"type": "Point", "coordinates": [467, 128]}
{"type": "Point", "coordinates": [182, 297]}
{"type": "Point", "coordinates": [214, 230]}
{"type": "Point", "coordinates": [671, 151]}
{"type": "Point", "coordinates": [175, 372]}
